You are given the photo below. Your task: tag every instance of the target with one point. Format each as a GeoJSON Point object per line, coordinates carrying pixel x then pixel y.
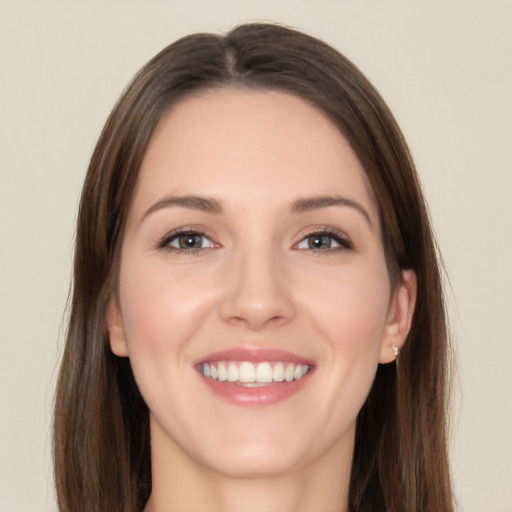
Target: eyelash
{"type": "Point", "coordinates": [338, 237]}
{"type": "Point", "coordinates": [164, 243]}
{"type": "Point", "coordinates": [344, 243]}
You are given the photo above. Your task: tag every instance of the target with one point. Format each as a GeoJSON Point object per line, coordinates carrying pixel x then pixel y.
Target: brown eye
{"type": "Point", "coordinates": [188, 241]}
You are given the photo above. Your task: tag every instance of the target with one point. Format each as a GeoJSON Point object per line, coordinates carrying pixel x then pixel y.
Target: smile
{"type": "Point", "coordinates": [248, 374]}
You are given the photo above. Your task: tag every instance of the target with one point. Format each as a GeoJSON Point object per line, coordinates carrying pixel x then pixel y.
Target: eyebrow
{"type": "Point", "coordinates": [211, 205]}
{"type": "Point", "coordinates": [205, 204]}
{"type": "Point", "coordinates": [315, 203]}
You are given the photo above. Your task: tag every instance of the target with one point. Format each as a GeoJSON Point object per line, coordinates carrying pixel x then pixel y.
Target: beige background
{"type": "Point", "coordinates": [444, 68]}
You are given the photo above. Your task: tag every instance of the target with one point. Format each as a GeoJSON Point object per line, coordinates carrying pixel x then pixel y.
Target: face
{"type": "Point", "coordinates": [254, 301]}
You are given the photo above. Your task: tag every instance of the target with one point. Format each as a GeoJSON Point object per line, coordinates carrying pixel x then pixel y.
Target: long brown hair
{"type": "Point", "coordinates": [101, 426]}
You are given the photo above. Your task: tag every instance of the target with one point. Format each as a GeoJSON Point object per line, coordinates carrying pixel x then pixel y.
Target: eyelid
{"type": "Point", "coordinates": [164, 241]}
{"type": "Point", "coordinates": [341, 238]}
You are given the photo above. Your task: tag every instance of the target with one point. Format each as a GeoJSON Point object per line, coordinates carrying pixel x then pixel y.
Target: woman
{"type": "Point", "coordinates": [253, 254]}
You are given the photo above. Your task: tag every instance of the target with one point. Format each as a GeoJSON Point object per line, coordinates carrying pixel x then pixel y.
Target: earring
{"type": "Point", "coordinates": [395, 350]}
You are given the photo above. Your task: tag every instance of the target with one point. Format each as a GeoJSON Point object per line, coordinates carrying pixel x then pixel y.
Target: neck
{"type": "Point", "coordinates": [183, 484]}
{"type": "Point", "coordinates": [286, 494]}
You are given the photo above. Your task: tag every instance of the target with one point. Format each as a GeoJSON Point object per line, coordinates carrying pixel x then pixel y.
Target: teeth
{"type": "Point", "coordinates": [278, 374]}
{"type": "Point", "coordinates": [221, 372]}
{"type": "Point", "coordinates": [247, 373]}
{"type": "Point", "coordinates": [233, 373]}
{"type": "Point", "coordinates": [288, 373]}
{"type": "Point", "coordinates": [297, 373]}
{"type": "Point", "coordinates": [264, 373]}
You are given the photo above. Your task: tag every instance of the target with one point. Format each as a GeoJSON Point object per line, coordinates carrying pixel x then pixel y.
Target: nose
{"type": "Point", "coordinates": [257, 293]}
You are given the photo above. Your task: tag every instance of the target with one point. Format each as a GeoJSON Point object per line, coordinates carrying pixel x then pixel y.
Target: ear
{"type": "Point", "coordinates": [398, 323]}
{"type": "Point", "coordinates": [115, 329]}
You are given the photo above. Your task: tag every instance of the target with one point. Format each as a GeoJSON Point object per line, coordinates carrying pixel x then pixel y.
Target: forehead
{"type": "Point", "coordinates": [234, 142]}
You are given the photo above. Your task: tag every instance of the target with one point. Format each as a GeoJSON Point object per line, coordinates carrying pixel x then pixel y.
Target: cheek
{"type": "Point", "coordinates": [162, 312]}
{"type": "Point", "coordinates": [350, 306]}
{"type": "Point", "coordinates": [160, 308]}
{"type": "Point", "coordinates": [349, 316]}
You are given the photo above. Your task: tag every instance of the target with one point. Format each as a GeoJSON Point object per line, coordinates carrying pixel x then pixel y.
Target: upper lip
{"type": "Point", "coordinates": [255, 355]}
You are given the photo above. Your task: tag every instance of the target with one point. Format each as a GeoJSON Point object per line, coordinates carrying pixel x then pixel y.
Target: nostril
{"type": "Point", "coordinates": [257, 319]}
{"type": "Point", "coordinates": [256, 298]}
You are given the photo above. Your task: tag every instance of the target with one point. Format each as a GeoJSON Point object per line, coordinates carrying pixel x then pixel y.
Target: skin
{"type": "Point", "coordinates": [256, 282]}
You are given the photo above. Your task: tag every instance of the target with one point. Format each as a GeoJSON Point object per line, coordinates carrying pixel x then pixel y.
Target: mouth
{"type": "Point", "coordinates": [249, 374]}
{"type": "Point", "coordinates": [244, 376]}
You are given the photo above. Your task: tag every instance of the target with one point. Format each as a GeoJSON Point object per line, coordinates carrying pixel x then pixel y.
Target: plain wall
{"type": "Point", "coordinates": [445, 70]}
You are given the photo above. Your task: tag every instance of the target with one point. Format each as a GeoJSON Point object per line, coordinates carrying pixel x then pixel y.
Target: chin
{"type": "Point", "coordinates": [262, 463]}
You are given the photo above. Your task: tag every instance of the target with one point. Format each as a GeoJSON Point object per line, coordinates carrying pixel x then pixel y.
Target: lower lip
{"type": "Point", "coordinates": [256, 396]}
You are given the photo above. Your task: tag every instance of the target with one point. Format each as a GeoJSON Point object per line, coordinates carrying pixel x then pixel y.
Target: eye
{"type": "Point", "coordinates": [324, 241]}
{"type": "Point", "coordinates": [188, 241]}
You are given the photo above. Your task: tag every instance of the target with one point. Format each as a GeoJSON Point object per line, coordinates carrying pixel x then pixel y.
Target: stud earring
{"type": "Point", "coordinates": [395, 350]}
